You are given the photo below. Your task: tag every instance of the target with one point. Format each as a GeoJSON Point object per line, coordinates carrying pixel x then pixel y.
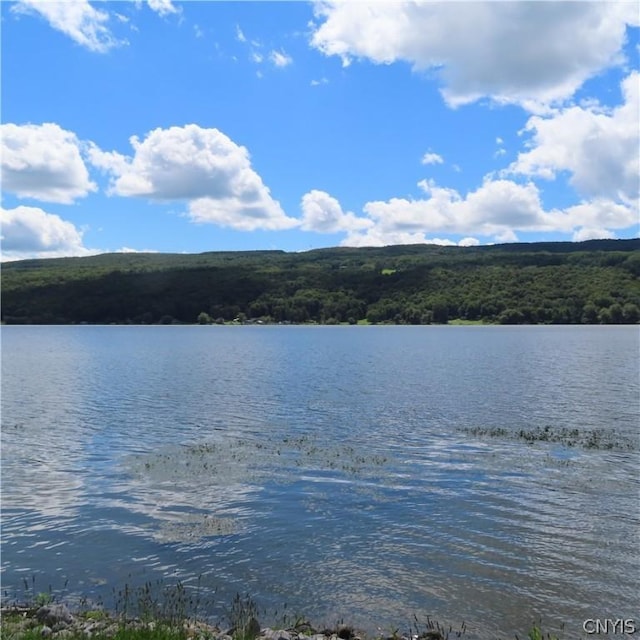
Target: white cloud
{"type": "Point", "coordinates": [79, 20]}
{"type": "Point", "coordinates": [377, 239]}
{"type": "Point", "coordinates": [600, 148]}
{"type": "Point", "coordinates": [240, 37]}
{"type": "Point", "coordinates": [202, 166]}
{"type": "Point", "coordinates": [130, 250]}
{"type": "Point", "coordinates": [601, 213]}
{"type": "Point", "coordinates": [589, 233]}
{"type": "Point", "coordinates": [109, 161]}
{"type": "Point", "coordinates": [162, 7]}
{"type": "Point", "coordinates": [280, 58]}
{"type": "Point", "coordinates": [489, 210]}
{"type": "Point", "coordinates": [316, 83]}
{"type": "Point", "coordinates": [498, 209]}
{"type": "Point", "coordinates": [30, 232]}
{"type": "Point", "coordinates": [43, 162]}
{"type": "Point", "coordinates": [431, 158]}
{"type": "Point", "coordinates": [524, 52]}
{"type": "Point", "coordinates": [323, 214]}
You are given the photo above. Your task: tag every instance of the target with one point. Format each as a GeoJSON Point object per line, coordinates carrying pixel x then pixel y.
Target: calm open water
{"type": "Point", "coordinates": [364, 473]}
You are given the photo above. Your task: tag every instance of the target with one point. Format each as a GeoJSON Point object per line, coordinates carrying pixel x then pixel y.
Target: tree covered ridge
{"type": "Point", "coordinates": [560, 282]}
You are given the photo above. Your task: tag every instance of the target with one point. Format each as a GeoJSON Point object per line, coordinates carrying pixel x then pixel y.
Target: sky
{"type": "Point", "coordinates": [207, 126]}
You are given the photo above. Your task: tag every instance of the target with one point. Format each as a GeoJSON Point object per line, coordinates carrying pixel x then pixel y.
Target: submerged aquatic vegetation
{"type": "Point", "coordinates": [597, 438]}
{"type": "Point", "coordinates": [200, 479]}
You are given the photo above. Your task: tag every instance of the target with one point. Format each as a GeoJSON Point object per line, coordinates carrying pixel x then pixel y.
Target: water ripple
{"type": "Point", "coordinates": [339, 471]}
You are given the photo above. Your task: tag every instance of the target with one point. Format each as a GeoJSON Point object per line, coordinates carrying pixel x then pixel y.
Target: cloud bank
{"type": "Point", "coordinates": [512, 52]}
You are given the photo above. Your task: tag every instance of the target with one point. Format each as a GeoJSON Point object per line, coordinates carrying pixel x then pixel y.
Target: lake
{"type": "Point", "coordinates": [480, 474]}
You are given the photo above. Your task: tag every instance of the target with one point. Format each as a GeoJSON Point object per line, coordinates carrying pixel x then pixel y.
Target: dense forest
{"type": "Point", "coordinates": [594, 282]}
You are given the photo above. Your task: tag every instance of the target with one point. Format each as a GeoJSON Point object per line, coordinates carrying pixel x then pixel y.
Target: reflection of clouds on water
{"type": "Point", "coordinates": [43, 464]}
{"type": "Point", "coordinates": [207, 488]}
{"type": "Point", "coordinates": [187, 494]}
{"type": "Point", "coordinates": [54, 492]}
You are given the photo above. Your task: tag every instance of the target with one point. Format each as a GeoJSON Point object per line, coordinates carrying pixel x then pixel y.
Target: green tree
{"type": "Point", "coordinates": [511, 316]}
{"type": "Point", "coordinates": [440, 312]}
{"type": "Point", "coordinates": [590, 313]}
{"type": "Point", "coordinates": [630, 313]}
{"type": "Point", "coordinates": [615, 311]}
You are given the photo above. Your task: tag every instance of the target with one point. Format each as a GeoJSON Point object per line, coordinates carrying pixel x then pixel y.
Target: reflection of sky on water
{"type": "Point", "coordinates": [42, 457]}
{"type": "Point", "coordinates": [327, 467]}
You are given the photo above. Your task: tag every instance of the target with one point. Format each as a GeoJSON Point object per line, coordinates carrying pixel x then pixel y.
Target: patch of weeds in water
{"type": "Point", "coordinates": [194, 527]}
{"type": "Point", "coordinates": [243, 618]}
{"type": "Point", "coordinates": [598, 438]}
{"type": "Point", "coordinates": [433, 630]}
{"type": "Point", "coordinates": [491, 432]}
{"type": "Point", "coordinates": [247, 460]}
{"type": "Point", "coordinates": [536, 633]}
{"type": "Point", "coordinates": [31, 596]}
{"type": "Point", "coordinates": [43, 598]}
{"type": "Point", "coordinates": [156, 601]}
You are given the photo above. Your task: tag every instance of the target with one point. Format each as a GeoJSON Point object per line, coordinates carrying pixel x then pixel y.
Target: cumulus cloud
{"type": "Point", "coordinates": [43, 162]}
{"type": "Point", "coordinates": [497, 211]}
{"type": "Point", "coordinates": [201, 166]}
{"type": "Point", "coordinates": [602, 213]}
{"type": "Point", "coordinates": [589, 233]}
{"type": "Point", "coordinates": [322, 213]}
{"type": "Point", "coordinates": [83, 23]}
{"type": "Point", "coordinates": [599, 148]}
{"type": "Point", "coordinates": [30, 232]}
{"type": "Point", "coordinates": [489, 210]}
{"type": "Point", "coordinates": [522, 52]}
{"type": "Point", "coordinates": [380, 238]}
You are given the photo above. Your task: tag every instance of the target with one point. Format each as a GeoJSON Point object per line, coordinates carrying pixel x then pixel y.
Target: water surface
{"type": "Point", "coordinates": [365, 473]}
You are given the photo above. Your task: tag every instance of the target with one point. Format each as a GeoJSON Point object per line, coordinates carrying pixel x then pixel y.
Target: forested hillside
{"type": "Point", "coordinates": [590, 282]}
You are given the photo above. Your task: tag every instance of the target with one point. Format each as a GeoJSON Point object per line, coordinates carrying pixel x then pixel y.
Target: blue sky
{"type": "Point", "coordinates": [204, 126]}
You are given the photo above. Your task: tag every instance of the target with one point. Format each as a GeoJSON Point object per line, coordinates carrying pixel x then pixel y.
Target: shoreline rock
{"type": "Point", "coordinates": [56, 620]}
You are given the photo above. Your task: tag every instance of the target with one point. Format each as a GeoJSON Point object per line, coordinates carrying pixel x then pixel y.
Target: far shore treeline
{"type": "Point", "coordinates": [593, 282]}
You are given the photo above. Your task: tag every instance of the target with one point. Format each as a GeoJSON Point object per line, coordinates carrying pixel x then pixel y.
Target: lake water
{"type": "Point", "coordinates": [364, 473]}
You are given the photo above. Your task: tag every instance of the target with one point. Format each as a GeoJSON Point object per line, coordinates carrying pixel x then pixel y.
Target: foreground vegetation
{"type": "Point", "coordinates": [594, 282]}
{"type": "Point", "coordinates": [171, 613]}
